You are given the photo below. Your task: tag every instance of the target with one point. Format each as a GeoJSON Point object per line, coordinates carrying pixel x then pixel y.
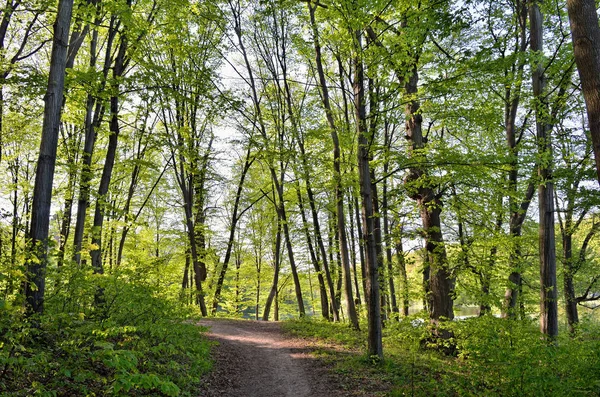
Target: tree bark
{"type": "Point", "coordinates": [441, 281]}
{"type": "Point", "coordinates": [548, 289]}
{"type": "Point", "coordinates": [93, 118]}
{"type": "Point", "coordinates": [585, 33]}
{"type": "Point", "coordinates": [375, 347]}
{"type": "Point", "coordinates": [42, 194]}
{"type": "Point", "coordinates": [517, 212]}
{"type": "Point", "coordinates": [114, 127]}
{"type": "Point", "coordinates": [570, 298]}
{"type": "Point", "coordinates": [337, 175]}
{"type": "Point", "coordinates": [353, 253]}
{"type": "Point", "coordinates": [386, 227]}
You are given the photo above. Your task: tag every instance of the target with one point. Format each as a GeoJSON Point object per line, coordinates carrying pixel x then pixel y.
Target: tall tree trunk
{"type": "Point", "coordinates": [353, 247]}
{"type": "Point", "coordinates": [94, 114]}
{"type": "Point", "coordinates": [361, 244]}
{"type": "Point", "coordinates": [185, 283]}
{"type": "Point", "coordinates": [318, 237]}
{"type": "Point", "coordinates": [238, 265]}
{"type": "Point", "coordinates": [337, 175]}
{"type": "Point", "coordinates": [196, 265]}
{"type": "Point", "coordinates": [441, 282]}
{"type": "Point", "coordinates": [386, 225]}
{"type": "Point", "coordinates": [140, 151]}
{"type": "Point", "coordinates": [570, 298]}
{"type": "Point", "coordinates": [288, 243]}
{"type": "Point", "coordinates": [101, 201]}
{"type": "Point", "coordinates": [276, 266]}
{"type": "Point", "coordinates": [335, 258]}
{"type": "Point", "coordinates": [42, 194]}
{"type": "Point", "coordinates": [373, 93]}
{"type": "Point", "coordinates": [258, 264]}
{"type": "Point", "coordinates": [585, 33]}
{"type": "Point", "coordinates": [548, 290]}
{"type": "Point", "coordinates": [375, 347]}
{"type": "Point", "coordinates": [512, 98]}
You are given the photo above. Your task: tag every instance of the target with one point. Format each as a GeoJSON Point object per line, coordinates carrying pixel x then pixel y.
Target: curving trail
{"type": "Point", "coordinates": [254, 359]}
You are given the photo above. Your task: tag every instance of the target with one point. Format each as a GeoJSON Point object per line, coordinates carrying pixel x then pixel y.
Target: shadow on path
{"type": "Point", "coordinates": [253, 359]}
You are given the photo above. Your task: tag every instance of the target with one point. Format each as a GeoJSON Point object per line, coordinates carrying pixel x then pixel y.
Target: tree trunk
{"type": "Point", "coordinates": [258, 259]}
{"type": "Point", "coordinates": [234, 219]}
{"type": "Point", "coordinates": [548, 293]}
{"type": "Point", "coordinates": [196, 266]}
{"type": "Point", "coordinates": [185, 283]}
{"type": "Point", "coordinates": [441, 282]}
{"type": "Point", "coordinates": [517, 213]}
{"type": "Point", "coordinates": [337, 175]}
{"type": "Point", "coordinates": [313, 257]}
{"type": "Point", "coordinates": [277, 182]}
{"type": "Point", "coordinates": [375, 347]}
{"type": "Point", "coordinates": [238, 265]}
{"type": "Point", "coordinates": [42, 193]}
{"type": "Point", "coordinates": [353, 247]}
{"type": "Point", "coordinates": [361, 245]}
{"type": "Point", "coordinates": [288, 243]}
{"type": "Point", "coordinates": [402, 265]}
{"type": "Point", "coordinates": [585, 33]}
{"type": "Point", "coordinates": [386, 230]}
{"type": "Point", "coordinates": [276, 267]}
{"type": "Point", "coordinates": [570, 298]}
{"type": "Point", "coordinates": [93, 118]}
{"type": "Point", "coordinates": [101, 201]}
{"type": "Point", "coordinates": [67, 214]}
{"type": "Point", "coordinates": [319, 241]}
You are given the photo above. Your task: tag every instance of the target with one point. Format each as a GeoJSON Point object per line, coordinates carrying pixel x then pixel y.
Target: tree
{"type": "Point", "coordinates": [337, 176]}
{"type": "Point", "coordinates": [548, 300]}
{"type": "Point", "coordinates": [44, 175]}
{"type": "Point", "coordinates": [585, 32]}
{"type": "Point", "coordinates": [95, 108]}
{"type": "Point", "coordinates": [375, 347]}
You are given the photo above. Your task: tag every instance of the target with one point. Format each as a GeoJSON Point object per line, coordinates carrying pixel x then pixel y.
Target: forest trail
{"type": "Point", "coordinates": [255, 359]}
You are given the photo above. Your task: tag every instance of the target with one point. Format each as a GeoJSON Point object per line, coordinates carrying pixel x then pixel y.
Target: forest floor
{"type": "Point", "coordinates": [259, 359]}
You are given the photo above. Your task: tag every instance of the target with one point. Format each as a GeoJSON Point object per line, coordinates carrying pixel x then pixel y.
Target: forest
{"type": "Point", "coordinates": [415, 179]}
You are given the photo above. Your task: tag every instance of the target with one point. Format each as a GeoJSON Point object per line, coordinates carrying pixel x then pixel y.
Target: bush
{"type": "Point", "coordinates": [136, 342]}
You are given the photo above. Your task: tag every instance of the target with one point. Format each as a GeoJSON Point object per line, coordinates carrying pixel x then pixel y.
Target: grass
{"type": "Point", "coordinates": [494, 357]}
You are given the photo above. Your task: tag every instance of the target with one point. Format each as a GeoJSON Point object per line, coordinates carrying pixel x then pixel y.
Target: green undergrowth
{"type": "Point", "coordinates": [490, 356]}
{"type": "Point", "coordinates": [136, 342]}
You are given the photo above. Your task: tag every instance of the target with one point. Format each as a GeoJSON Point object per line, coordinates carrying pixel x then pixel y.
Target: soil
{"type": "Point", "coordinates": [256, 359]}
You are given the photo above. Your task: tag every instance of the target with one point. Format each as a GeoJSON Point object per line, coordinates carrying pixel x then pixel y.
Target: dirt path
{"type": "Point", "coordinates": [254, 359]}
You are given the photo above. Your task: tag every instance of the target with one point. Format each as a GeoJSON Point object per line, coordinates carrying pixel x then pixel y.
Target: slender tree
{"type": "Point", "coordinates": [337, 175]}
{"type": "Point", "coordinates": [375, 347]}
{"type": "Point", "coordinates": [44, 175]}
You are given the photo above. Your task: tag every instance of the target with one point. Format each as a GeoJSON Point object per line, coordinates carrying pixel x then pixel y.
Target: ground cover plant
{"type": "Point", "coordinates": [492, 357]}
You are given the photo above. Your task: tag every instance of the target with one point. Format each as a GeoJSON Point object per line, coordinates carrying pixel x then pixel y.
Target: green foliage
{"type": "Point", "coordinates": [138, 344]}
{"type": "Point", "coordinates": [496, 357]}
